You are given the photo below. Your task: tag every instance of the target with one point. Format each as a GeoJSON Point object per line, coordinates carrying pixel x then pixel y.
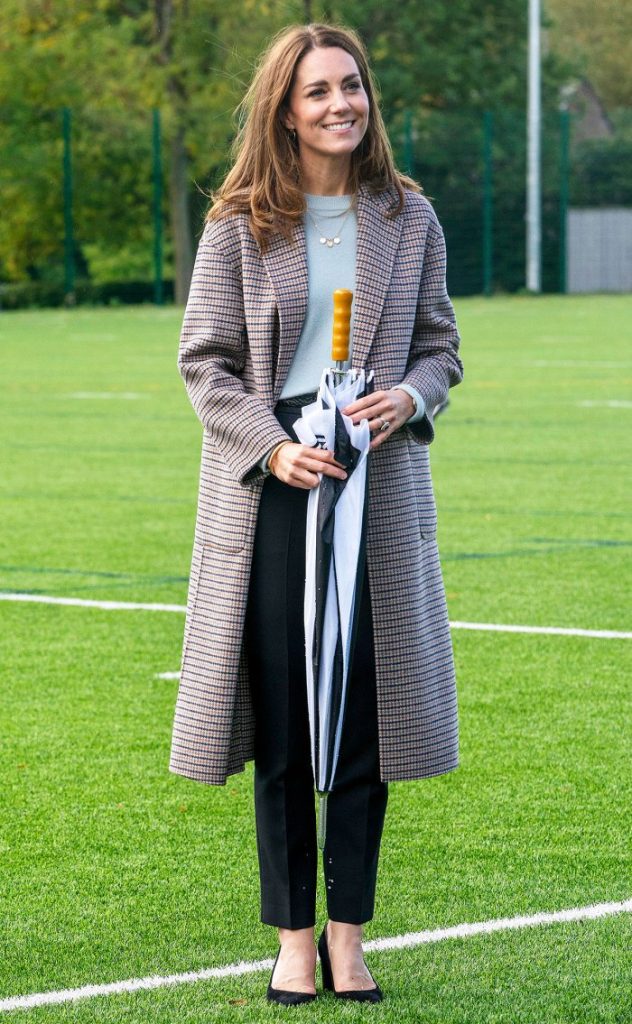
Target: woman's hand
{"type": "Point", "coordinates": [393, 406]}
{"type": "Point", "coordinates": [299, 465]}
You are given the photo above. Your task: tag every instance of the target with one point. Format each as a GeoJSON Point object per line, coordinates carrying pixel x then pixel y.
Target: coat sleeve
{"type": "Point", "coordinates": [211, 360]}
{"type": "Point", "coordinates": [433, 364]}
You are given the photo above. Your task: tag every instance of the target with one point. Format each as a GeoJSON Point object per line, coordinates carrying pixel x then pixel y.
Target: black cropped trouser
{"type": "Point", "coordinates": [283, 780]}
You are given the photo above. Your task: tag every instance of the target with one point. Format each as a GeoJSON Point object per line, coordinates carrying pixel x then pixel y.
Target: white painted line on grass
{"type": "Point", "coordinates": [168, 675]}
{"type": "Point", "coordinates": [497, 627]}
{"type": "Point", "coordinates": [407, 941]}
{"type": "Point", "coordinates": [610, 363]}
{"type": "Point", "coordinates": [462, 931]}
{"type": "Point", "coordinates": [107, 394]}
{"type": "Point", "coordinates": [70, 995]}
{"type": "Point", "coordinates": [82, 602]}
{"type": "Point", "coordinates": [613, 403]}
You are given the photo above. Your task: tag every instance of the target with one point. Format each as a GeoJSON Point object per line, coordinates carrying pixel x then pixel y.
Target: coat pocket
{"type": "Point", "coordinates": [194, 585]}
{"type": "Point", "coordinates": [428, 530]}
{"type": "Point", "coordinates": [422, 486]}
{"type": "Point", "coordinates": [223, 543]}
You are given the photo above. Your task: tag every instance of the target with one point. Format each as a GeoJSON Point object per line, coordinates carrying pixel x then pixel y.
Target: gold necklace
{"type": "Point", "coordinates": [330, 242]}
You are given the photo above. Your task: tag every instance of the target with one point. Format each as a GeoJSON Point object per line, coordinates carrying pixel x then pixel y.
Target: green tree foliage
{"type": "Point", "coordinates": [468, 55]}
{"type": "Point", "coordinates": [112, 61]}
{"type": "Point", "coordinates": [68, 54]}
{"type": "Point", "coordinates": [596, 35]}
{"type": "Point", "coordinates": [602, 173]}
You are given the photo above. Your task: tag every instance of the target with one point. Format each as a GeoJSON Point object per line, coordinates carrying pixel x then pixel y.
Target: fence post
{"type": "Point", "coordinates": [564, 190]}
{"type": "Point", "coordinates": [69, 243]}
{"type": "Point", "coordinates": [157, 180]}
{"type": "Point", "coordinates": [488, 202]}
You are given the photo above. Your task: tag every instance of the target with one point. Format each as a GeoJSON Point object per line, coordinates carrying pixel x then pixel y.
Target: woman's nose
{"type": "Point", "coordinates": [340, 111]}
{"type": "Point", "coordinates": [340, 103]}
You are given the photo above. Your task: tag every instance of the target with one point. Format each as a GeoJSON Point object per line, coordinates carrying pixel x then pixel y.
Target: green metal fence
{"type": "Point", "coordinates": [474, 168]}
{"type": "Point", "coordinates": [100, 220]}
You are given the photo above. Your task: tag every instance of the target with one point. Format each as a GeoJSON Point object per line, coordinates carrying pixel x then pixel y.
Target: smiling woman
{"type": "Point", "coordinates": [314, 203]}
{"type": "Point", "coordinates": [309, 78]}
{"type": "Point", "coordinates": [327, 100]}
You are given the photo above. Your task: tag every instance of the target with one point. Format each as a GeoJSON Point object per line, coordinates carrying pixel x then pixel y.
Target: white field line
{"type": "Point", "coordinates": [610, 363]}
{"type": "Point", "coordinates": [495, 627]}
{"type": "Point", "coordinates": [611, 403]}
{"type": "Point", "coordinates": [116, 606]}
{"type": "Point", "coordinates": [407, 941]}
{"type": "Point", "coordinates": [106, 394]}
{"type": "Point", "coordinates": [498, 627]}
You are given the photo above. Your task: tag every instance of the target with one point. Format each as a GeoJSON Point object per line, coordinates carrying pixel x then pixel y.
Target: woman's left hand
{"type": "Point", "coordinates": [393, 407]}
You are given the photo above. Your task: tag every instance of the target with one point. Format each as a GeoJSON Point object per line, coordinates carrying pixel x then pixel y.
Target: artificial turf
{"type": "Point", "coordinates": [114, 868]}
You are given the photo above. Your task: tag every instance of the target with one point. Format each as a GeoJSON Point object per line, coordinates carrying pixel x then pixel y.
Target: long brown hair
{"type": "Point", "coordinates": [264, 181]}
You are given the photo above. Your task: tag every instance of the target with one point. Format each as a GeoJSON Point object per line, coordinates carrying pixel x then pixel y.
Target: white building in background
{"type": "Point", "coordinates": [599, 249]}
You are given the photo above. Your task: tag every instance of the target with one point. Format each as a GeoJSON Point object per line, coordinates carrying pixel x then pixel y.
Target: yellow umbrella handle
{"type": "Point", "coordinates": [342, 325]}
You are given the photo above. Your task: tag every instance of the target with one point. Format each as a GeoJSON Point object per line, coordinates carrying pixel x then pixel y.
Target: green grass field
{"type": "Point", "coordinates": [113, 868]}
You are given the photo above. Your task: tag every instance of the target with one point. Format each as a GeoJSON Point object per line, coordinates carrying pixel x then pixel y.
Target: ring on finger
{"type": "Point", "coordinates": [385, 425]}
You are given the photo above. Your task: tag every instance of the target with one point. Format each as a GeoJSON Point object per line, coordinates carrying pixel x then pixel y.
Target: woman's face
{"type": "Point", "coordinates": [327, 90]}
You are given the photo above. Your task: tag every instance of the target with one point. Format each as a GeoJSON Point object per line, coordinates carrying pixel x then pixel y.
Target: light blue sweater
{"type": "Point", "coordinates": [328, 268]}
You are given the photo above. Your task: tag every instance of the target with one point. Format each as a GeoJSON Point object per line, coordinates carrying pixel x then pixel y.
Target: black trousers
{"type": "Point", "coordinates": [284, 792]}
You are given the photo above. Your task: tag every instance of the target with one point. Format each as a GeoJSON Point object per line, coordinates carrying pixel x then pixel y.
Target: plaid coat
{"type": "Point", "coordinates": [241, 327]}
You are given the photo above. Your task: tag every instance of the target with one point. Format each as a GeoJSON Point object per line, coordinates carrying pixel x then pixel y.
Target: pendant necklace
{"type": "Point", "coordinates": [330, 242]}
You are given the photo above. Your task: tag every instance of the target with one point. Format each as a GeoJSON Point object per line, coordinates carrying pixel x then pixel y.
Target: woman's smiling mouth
{"type": "Point", "coordinates": [341, 126]}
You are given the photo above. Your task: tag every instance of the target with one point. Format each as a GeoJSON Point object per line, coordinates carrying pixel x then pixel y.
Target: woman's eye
{"type": "Point", "coordinates": [350, 85]}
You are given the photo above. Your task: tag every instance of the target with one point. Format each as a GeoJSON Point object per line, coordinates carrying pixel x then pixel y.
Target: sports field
{"type": "Point", "coordinates": [113, 870]}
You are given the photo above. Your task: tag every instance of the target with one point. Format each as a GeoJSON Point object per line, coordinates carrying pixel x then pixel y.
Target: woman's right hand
{"type": "Point", "coordinates": [299, 465]}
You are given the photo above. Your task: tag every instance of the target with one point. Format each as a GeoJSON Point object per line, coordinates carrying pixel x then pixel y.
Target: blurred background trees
{"type": "Point", "coordinates": [112, 62]}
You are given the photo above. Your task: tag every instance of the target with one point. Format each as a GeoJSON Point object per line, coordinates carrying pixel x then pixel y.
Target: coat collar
{"type": "Point", "coordinates": [286, 265]}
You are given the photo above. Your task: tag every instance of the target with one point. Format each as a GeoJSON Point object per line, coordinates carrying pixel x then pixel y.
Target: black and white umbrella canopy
{"type": "Point", "coordinates": [334, 550]}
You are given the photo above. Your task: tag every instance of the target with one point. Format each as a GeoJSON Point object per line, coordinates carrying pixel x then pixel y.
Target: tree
{"type": "Point", "coordinates": [112, 61]}
{"type": "Point", "coordinates": [595, 35]}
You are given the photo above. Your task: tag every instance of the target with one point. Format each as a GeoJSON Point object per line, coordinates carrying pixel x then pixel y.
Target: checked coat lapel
{"type": "Point", "coordinates": [286, 265]}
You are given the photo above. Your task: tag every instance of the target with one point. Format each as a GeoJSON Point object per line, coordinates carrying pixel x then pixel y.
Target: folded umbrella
{"type": "Point", "coordinates": [334, 553]}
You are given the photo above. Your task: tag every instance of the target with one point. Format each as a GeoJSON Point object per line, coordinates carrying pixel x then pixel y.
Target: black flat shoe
{"type": "Point", "coordinates": [360, 995]}
{"type": "Point", "coordinates": [286, 998]}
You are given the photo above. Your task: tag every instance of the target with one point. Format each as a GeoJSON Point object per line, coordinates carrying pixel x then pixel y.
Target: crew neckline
{"type": "Point", "coordinates": [327, 204]}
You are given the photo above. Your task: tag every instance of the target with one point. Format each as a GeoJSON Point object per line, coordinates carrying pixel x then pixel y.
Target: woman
{"type": "Point", "coordinates": [313, 202]}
